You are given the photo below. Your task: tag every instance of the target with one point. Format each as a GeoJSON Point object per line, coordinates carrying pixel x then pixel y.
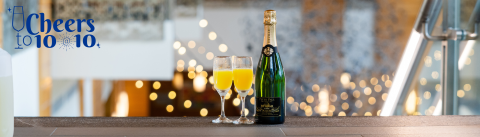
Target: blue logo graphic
{"type": "Point", "coordinates": [66, 41]}
{"type": "Point", "coordinates": [16, 27]}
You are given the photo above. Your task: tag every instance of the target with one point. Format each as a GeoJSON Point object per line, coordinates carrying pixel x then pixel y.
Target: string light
{"type": "Point", "coordinates": [427, 95]}
{"type": "Point", "coordinates": [153, 96]}
{"type": "Point", "coordinates": [192, 63]}
{"type": "Point", "coordinates": [294, 107]}
{"type": "Point", "coordinates": [467, 87]}
{"type": "Point", "coordinates": [172, 95]}
{"type": "Point", "coordinates": [352, 85]}
{"type": "Point", "coordinates": [384, 96]}
{"type": "Point", "coordinates": [388, 83]}
{"type": "Point", "coordinates": [203, 112]}
{"type": "Point", "coordinates": [139, 84]}
{"type": "Point", "coordinates": [362, 83]}
{"type": "Point", "coordinates": [156, 85]}
{"type": "Point", "coordinates": [438, 55]}
{"type": "Point", "coordinates": [428, 61]}
{"type": "Point", "coordinates": [310, 99]}
{"type": "Point", "coordinates": [438, 87]}
{"type": "Point", "coordinates": [191, 74]}
{"type": "Point", "coordinates": [223, 48]}
{"type": "Point", "coordinates": [377, 88]}
{"type": "Point", "coordinates": [236, 102]}
{"type": "Point", "coordinates": [358, 104]}
{"type": "Point", "coordinates": [435, 75]}
{"type": "Point", "coordinates": [203, 23]}
{"type": "Point", "coordinates": [210, 55]}
{"type": "Point", "coordinates": [290, 100]}
{"type": "Point", "coordinates": [460, 93]}
{"type": "Point", "coordinates": [187, 103]}
{"type": "Point", "coordinates": [191, 44]}
{"type": "Point", "coordinates": [372, 100]}
{"type": "Point", "coordinates": [169, 108]}
{"type": "Point", "coordinates": [210, 79]}
{"type": "Point", "coordinates": [367, 91]}
{"type": "Point", "coordinates": [385, 77]}
{"type": "Point", "coordinates": [333, 98]}
{"type": "Point", "coordinates": [180, 63]}
{"type": "Point", "coordinates": [411, 102]}
{"type": "Point", "coordinates": [212, 35]}
{"type": "Point", "coordinates": [315, 88]}
{"type": "Point", "coordinates": [250, 92]}
{"type": "Point", "coordinates": [191, 69]}
{"type": "Point", "coordinates": [201, 49]}
{"type": "Point", "coordinates": [345, 106]}
{"type": "Point", "coordinates": [423, 81]}
{"type": "Point", "coordinates": [356, 93]}
{"type": "Point", "coordinates": [374, 81]}
{"type": "Point", "coordinates": [177, 44]}
{"type": "Point", "coordinates": [182, 50]}
{"type": "Point", "coordinates": [303, 105]}
{"type": "Point", "coordinates": [345, 79]}
{"type": "Point", "coordinates": [344, 96]}
{"type": "Point", "coordinates": [199, 68]}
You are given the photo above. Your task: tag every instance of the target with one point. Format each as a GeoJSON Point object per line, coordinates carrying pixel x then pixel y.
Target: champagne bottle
{"type": "Point", "coordinates": [270, 77]}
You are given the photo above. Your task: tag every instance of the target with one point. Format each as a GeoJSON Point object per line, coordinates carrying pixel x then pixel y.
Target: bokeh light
{"type": "Point", "coordinates": [203, 23]}
{"type": "Point", "coordinates": [169, 108]}
{"type": "Point", "coordinates": [236, 102]}
{"type": "Point", "coordinates": [290, 100]}
{"type": "Point", "coordinates": [191, 44]}
{"type": "Point", "coordinates": [310, 99]}
{"type": "Point", "coordinates": [203, 112]}
{"type": "Point", "coordinates": [156, 85]}
{"type": "Point", "coordinates": [209, 55]}
{"type": "Point", "coordinates": [223, 48]}
{"type": "Point", "coordinates": [345, 106]}
{"type": "Point", "coordinates": [153, 96]}
{"type": "Point", "coordinates": [371, 100]}
{"type": "Point", "coordinates": [182, 50]}
{"type": "Point", "coordinates": [460, 93]}
{"type": "Point", "coordinates": [315, 88]}
{"type": "Point", "coordinates": [467, 87]}
{"type": "Point", "coordinates": [367, 91]}
{"type": "Point", "coordinates": [187, 104]}
{"type": "Point", "coordinates": [212, 35]}
{"type": "Point", "coordinates": [139, 84]}
{"type": "Point", "coordinates": [172, 95]}
{"type": "Point", "coordinates": [177, 44]}
{"type": "Point", "coordinates": [201, 49]}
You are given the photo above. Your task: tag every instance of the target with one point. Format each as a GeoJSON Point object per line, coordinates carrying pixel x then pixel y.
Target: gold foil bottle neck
{"type": "Point", "coordinates": [270, 17]}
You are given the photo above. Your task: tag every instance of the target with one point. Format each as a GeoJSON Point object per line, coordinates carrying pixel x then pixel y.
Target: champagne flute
{"type": "Point", "coordinates": [222, 77]}
{"type": "Point", "coordinates": [243, 77]}
{"type": "Point", "coordinates": [18, 26]}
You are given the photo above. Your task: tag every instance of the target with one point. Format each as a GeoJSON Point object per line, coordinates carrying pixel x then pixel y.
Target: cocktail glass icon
{"type": "Point", "coordinates": [18, 26]}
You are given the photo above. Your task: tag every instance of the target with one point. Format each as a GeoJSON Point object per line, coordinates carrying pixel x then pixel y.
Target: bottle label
{"type": "Point", "coordinates": [269, 50]}
{"type": "Point", "coordinates": [268, 107]}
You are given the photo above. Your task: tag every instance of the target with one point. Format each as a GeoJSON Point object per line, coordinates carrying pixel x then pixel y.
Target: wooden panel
{"type": "Point", "coordinates": [45, 81]}
{"type": "Point", "coordinates": [139, 104]}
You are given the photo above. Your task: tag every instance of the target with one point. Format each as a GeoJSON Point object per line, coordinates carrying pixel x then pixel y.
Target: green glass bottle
{"type": "Point", "coordinates": [270, 78]}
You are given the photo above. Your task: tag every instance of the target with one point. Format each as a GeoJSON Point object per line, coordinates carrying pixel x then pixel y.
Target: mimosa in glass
{"type": "Point", "coordinates": [243, 77]}
{"type": "Point", "coordinates": [222, 77]}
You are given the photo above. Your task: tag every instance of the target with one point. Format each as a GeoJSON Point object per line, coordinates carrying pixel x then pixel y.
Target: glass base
{"type": "Point", "coordinates": [243, 120]}
{"type": "Point", "coordinates": [222, 120]}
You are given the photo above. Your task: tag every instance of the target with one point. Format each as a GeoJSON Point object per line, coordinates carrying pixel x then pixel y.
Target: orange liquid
{"type": "Point", "coordinates": [243, 78]}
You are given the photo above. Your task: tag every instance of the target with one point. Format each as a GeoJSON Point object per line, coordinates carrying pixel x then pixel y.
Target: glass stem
{"type": "Point", "coordinates": [223, 110]}
{"type": "Point", "coordinates": [243, 107]}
